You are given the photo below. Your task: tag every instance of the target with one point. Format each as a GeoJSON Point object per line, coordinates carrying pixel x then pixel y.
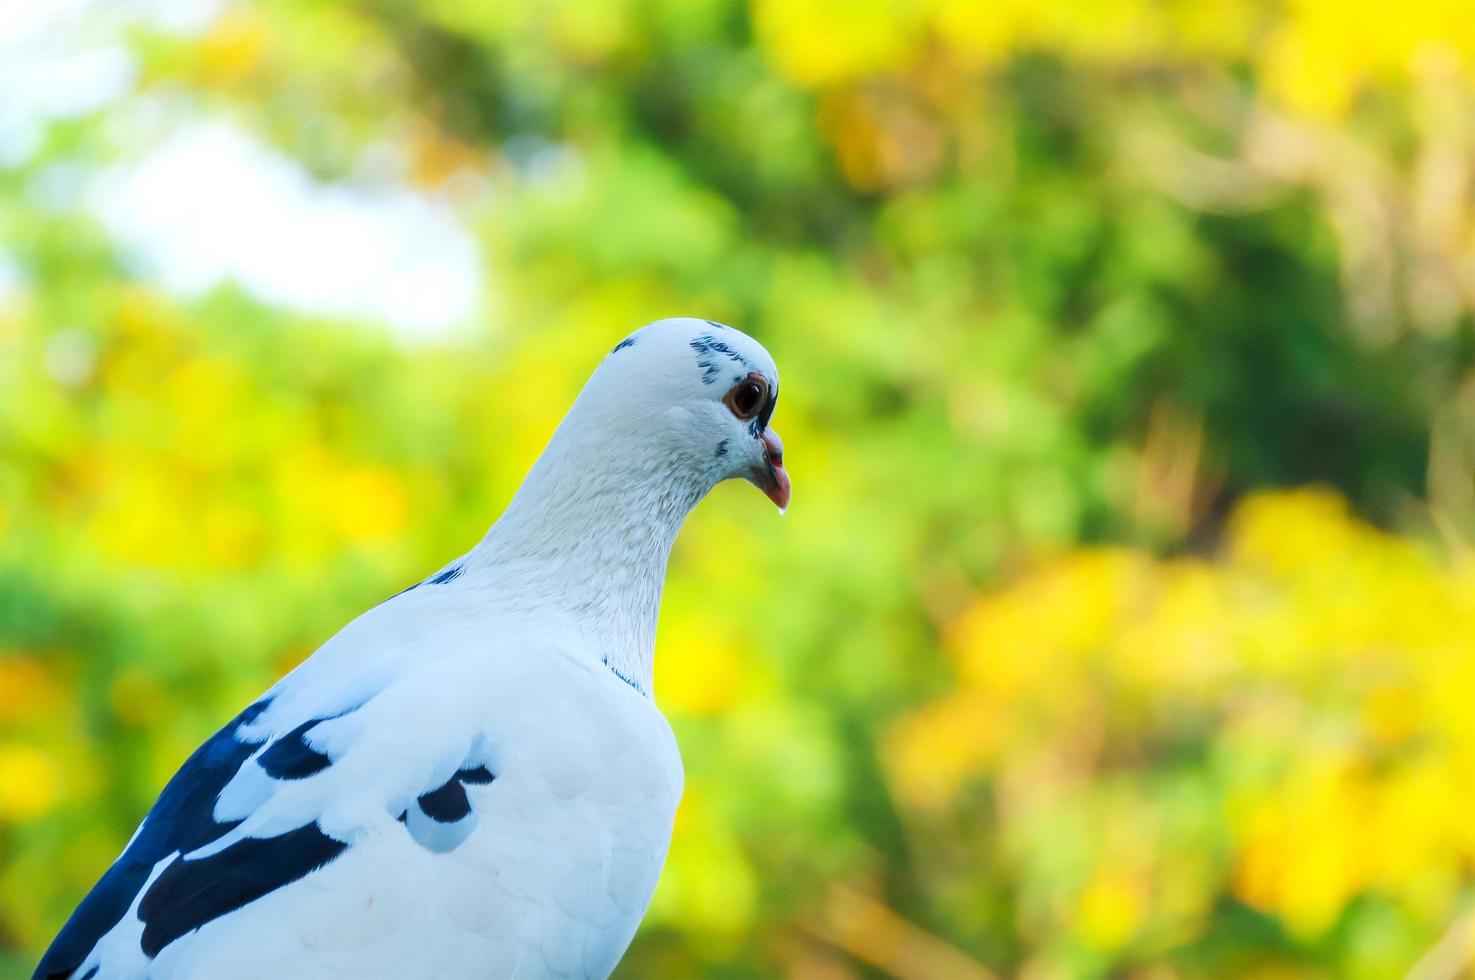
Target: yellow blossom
{"type": "Point", "coordinates": [29, 782]}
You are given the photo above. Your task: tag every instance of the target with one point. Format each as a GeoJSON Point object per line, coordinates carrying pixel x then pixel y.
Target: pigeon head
{"type": "Point", "coordinates": [674, 409]}
{"type": "Point", "coordinates": [698, 393]}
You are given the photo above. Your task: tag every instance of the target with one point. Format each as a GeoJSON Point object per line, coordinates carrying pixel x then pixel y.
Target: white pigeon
{"type": "Point", "coordinates": [471, 779]}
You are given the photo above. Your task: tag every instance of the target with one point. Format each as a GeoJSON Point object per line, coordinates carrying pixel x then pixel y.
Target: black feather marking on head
{"type": "Point", "coordinates": [721, 449]}
{"type": "Point", "coordinates": [182, 820]}
{"type": "Point", "coordinates": [627, 342]}
{"type": "Point", "coordinates": [719, 326]}
{"type": "Point", "coordinates": [709, 349]}
{"type": "Point", "coordinates": [188, 894]}
{"type": "Point", "coordinates": [761, 422]}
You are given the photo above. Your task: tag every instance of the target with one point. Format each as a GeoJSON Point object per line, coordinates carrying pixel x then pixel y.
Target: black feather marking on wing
{"type": "Point", "coordinates": [291, 757]}
{"type": "Point", "coordinates": [450, 574]}
{"type": "Point", "coordinates": [709, 351]}
{"type": "Point", "coordinates": [480, 775]}
{"type": "Point", "coordinates": [719, 326]}
{"type": "Point", "coordinates": [627, 342]}
{"type": "Point", "coordinates": [182, 820]}
{"type": "Point", "coordinates": [446, 803]}
{"type": "Point", "coordinates": [449, 817]}
{"type": "Point", "coordinates": [410, 588]}
{"type": "Point", "coordinates": [189, 894]}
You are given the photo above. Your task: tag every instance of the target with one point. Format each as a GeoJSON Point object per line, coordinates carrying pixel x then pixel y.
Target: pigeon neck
{"type": "Point", "coordinates": [584, 545]}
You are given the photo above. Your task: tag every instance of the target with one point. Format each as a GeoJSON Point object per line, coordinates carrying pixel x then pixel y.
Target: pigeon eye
{"type": "Point", "coordinates": [747, 396]}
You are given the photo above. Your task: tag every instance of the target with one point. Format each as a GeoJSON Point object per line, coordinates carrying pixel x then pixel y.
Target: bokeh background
{"type": "Point", "coordinates": [1122, 623]}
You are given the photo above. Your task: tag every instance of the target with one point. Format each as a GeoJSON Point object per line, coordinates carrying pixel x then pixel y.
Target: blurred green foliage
{"type": "Point", "coordinates": [1039, 278]}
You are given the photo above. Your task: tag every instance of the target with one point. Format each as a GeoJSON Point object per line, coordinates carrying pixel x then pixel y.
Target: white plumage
{"type": "Point", "coordinates": [470, 779]}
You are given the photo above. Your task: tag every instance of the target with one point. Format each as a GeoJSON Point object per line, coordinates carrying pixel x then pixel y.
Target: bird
{"type": "Point", "coordinates": [472, 778]}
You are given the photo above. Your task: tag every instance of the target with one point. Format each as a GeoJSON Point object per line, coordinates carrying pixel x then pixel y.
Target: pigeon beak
{"type": "Point", "coordinates": [771, 478]}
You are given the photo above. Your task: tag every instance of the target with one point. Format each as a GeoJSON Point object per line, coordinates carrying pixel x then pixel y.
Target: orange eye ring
{"type": "Point", "coordinates": [746, 398]}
